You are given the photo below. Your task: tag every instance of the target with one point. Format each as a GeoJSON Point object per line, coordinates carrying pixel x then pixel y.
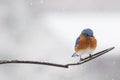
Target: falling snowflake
{"type": "Point", "coordinates": [31, 3]}
{"type": "Point", "coordinates": [41, 1]}
{"type": "Point", "coordinates": [112, 79]}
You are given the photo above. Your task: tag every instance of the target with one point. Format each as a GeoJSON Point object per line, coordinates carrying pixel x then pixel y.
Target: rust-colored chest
{"type": "Point", "coordinates": [86, 42]}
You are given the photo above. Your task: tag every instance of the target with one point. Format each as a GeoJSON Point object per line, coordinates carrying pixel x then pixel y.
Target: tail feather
{"type": "Point", "coordinates": [75, 55]}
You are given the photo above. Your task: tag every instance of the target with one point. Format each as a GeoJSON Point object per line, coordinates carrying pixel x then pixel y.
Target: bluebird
{"type": "Point", "coordinates": [85, 43]}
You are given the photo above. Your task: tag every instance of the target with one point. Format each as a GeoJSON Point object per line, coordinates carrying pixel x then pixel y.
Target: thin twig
{"type": "Point", "coordinates": [92, 56]}
{"type": "Point", "coordinates": [58, 65]}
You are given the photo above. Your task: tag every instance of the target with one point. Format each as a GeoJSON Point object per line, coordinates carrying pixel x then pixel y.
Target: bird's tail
{"type": "Point", "coordinates": [75, 55]}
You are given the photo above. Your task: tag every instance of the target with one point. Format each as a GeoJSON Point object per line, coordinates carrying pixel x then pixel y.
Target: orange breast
{"type": "Point", "coordinates": [84, 43]}
{"type": "Point", "coordinates": [93, 43]}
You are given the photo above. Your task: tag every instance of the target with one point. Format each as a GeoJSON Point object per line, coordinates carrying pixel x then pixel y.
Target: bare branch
{"type": "Point", "coordinates": [92, 56]}
{"type": "Point", "coordinates": [58, 65]}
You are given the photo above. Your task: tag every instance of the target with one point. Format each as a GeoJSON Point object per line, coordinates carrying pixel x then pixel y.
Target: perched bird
{"type": "Point", "coordinates": [85, 43]}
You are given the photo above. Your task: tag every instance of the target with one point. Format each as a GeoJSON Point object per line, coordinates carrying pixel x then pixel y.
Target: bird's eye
{"type": "Point", "coordinates": [87, 34]}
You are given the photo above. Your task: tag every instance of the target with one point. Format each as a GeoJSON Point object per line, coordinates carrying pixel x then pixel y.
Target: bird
{"type": "Point", "coordinates": [86, 43]}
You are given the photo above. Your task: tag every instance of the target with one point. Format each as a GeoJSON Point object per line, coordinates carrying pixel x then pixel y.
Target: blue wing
{"type": "Point", "coordinates": [77, 40]}
{"type": "Point", "coordinates": [76, 43]}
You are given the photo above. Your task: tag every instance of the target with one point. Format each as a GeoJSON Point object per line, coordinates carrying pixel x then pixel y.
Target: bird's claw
{"type": "Point", "coordinates": [81, 59]}
{"type": "Point", "coordinates": [90, 55]}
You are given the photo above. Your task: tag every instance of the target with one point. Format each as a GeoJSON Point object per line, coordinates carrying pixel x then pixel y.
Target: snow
{"type": "Point", "coordinates": [48, 33]}
{"type": "Point", "coordinates": [41, 1]}
{"type": "Point", "coordinates": [31, 3]}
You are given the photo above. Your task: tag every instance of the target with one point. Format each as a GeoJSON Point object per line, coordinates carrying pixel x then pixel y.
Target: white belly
{"type": "Point", "coordinates": [86, 51]}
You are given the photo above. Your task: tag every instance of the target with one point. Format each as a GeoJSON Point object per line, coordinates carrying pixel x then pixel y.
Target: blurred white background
{"type": "Point", "coordinates": [46, 30]}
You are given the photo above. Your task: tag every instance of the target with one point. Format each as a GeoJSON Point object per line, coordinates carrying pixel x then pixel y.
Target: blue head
{"type": "Point", "coordinates": [87, 32]}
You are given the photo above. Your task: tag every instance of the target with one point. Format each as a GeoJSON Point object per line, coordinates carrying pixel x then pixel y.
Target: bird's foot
{"type": "Point", "coordinates": [90, 55]}
{"type": "Point", "coordinates": [81, 59]}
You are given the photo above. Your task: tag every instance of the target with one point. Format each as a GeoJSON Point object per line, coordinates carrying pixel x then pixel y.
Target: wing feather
{"type": "Point", "coordinates": [77, 41]}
